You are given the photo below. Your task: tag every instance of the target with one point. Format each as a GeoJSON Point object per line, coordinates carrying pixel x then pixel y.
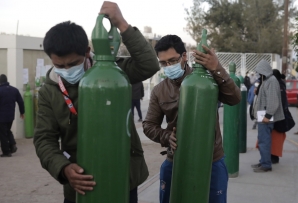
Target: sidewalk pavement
{"type": "Point", "coordinates": [22, 180]}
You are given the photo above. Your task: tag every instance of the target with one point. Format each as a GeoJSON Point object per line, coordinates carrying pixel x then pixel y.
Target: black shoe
{"type": "Point", "coordinates": [140, 120]}
{"type": "Point", "coordinates": [256, 165]}
{"type": "Point", "coordinates": [274, 162]}
{"type": "Point", "coordinates": [261, 169]}
{"type": "Point", "coordinates": [274, 159]}
{"type": "Point", "coordinates": [13, 149]}
{"type": "Point", "coordinates": [6, 155]}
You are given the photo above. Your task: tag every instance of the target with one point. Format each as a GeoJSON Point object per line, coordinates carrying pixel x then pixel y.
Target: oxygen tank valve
{"type": "Point", "coordinates": [200, 47]}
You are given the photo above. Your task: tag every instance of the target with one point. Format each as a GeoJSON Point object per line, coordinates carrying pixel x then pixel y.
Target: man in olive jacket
{"type": "Point", "coordinates": [67, 46]}
{"type": "Point", "coordinates": [164, 102]}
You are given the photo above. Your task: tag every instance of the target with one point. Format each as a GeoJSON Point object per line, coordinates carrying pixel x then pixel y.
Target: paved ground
{"type": "Point", "coordinates": [22, 180]}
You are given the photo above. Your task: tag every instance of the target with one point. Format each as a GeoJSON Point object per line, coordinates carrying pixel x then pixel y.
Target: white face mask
{"type": "Point", "coordinates": [73, 74]}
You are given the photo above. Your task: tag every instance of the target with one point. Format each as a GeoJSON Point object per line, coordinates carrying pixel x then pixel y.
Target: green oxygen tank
{"type": "Point", "coordinates": [243, 117]}
{"type": "Point", "coordinates": [231, 131]}
{"type": "Point", "coordinates": [28, 120]}
{"type": "Point", "coordinates": [104, 121]}
{"type": "Point", "coordinates": [195, 135]}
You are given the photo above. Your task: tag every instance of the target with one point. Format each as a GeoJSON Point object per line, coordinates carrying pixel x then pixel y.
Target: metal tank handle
{"type": "Point", "coordinates": [106, 44]}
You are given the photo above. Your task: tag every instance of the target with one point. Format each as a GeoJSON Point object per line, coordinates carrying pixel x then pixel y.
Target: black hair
{"type": "Point", "coordinates": [170, 41]}
{"type": "Point", "coordinates": [3, 78]}
{"type": "Point", "coordinates": [277, 74]}
{"type": "Point", "coordinates": [66, 38]}
{"type": "Point", "coordinates": [283, 76]}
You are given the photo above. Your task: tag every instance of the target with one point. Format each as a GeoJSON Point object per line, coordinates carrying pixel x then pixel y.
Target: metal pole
{"type": "Point", "coordinates": [285, 44]}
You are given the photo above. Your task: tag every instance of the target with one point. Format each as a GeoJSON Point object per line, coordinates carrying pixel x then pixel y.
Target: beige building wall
{"type": "Point", "coordinates": [30, 61]}
{"type": "Point", "coordinates": [15, 62]}
{"type": "Point", "coordinates": [3, 61]}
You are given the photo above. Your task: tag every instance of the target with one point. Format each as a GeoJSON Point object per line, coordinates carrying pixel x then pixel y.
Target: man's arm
{"type": "Point", "coordinates": [229, 92]}
{"type": "Point", "coordinates": [47, 147]}
{"type": "Point", "coordinates": [143, 61]}
{"type": "Point", "coordinates": [152, 123]}
{"type": "Point", "coordinates": [46, 136]}
{"type": "Point", "coordinates": [20, 102]}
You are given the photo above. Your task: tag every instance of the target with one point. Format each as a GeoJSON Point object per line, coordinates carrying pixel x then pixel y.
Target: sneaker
{"type": "Point", "coordinates": [6, 155]}
{"type": "Point", "coordinates": [140, 120]}
{"type": "Point", "coordinates": [256, 165]}
{"type": "Point", "coordinates": [13, 149]}
{"type": "Point", "coordinates": [261, 169]}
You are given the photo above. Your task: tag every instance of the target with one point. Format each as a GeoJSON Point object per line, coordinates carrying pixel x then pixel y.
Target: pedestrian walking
{"type": "Point", "coordinates": [9, 96]}
{"type": "Point", "coordinates": [137, 96]}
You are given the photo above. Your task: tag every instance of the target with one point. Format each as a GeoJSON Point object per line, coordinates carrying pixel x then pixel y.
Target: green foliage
{"type": "Point", "coordinates": [250, 26]}
{"type": "Point", "coordinates": [295, 39]}
{"type": "Point", "coordinates": [195, 20]}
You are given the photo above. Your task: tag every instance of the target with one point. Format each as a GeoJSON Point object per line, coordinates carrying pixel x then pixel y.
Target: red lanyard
{"type": "Point", "coordinates": [66, 97]}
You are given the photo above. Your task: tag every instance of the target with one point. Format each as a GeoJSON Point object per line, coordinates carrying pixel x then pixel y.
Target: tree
{"type": "Point", "coordinates": [251, 26]}
{"type": "Point", "coordinates": [195, 20]}
{"type": "Point", "coordinates": [295, 39]}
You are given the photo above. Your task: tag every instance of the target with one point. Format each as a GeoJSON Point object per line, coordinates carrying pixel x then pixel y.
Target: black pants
{"type": "Point", "coordinates": [133, 196]}
{"type": "Point", "coordinates": [6, 137]}
{"type": "Point", "coordinates": [136, 103]}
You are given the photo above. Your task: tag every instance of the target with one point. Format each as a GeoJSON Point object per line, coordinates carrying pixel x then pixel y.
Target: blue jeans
{"type": "Point", "coordinates": [218, 184]}
{"type": "Point", "coordinates": [264, 142]}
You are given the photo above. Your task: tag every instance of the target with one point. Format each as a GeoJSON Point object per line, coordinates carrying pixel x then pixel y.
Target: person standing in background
{"type": "Point", "coordinates": [269, 101]}
{"type": "Point", "coordinates": [253, 78]}
{"type": "Point", "coordinates": [251, 100]}
{"type": "Point", "coordinates": [278, 138]}
{"type": "Point", "coordinates": [8, 97]}
{"type": "Point", "coordinates": [247, 82]}
{"type": "Point", "coordinates": [137, 96]}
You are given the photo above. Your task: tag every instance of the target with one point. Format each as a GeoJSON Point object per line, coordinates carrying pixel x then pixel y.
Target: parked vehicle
{"type": "Point", "coordinates": [292, 92]}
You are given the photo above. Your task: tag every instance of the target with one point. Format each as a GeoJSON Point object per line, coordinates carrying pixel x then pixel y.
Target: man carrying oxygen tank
{"type": "Point", "coordinates": [67, 46]}
{"type": "Point", "coordinates": [164, 102]}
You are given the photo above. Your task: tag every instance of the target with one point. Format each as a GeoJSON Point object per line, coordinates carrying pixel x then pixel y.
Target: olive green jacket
{"type": "Point", "coordinates": [53, 116]}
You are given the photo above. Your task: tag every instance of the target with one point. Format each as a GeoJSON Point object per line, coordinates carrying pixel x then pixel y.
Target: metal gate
{"type": "Point", "coordinates": [244, 61]}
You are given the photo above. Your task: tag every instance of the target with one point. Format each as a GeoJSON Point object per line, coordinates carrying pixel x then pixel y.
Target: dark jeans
{"type": "Point", "coordinates": [6, 137]}
{"type": "Point", "coordinates": [133, 197]}
{"type": "Point", "coordinates": [136, 103]}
